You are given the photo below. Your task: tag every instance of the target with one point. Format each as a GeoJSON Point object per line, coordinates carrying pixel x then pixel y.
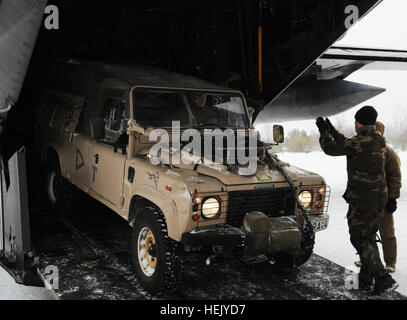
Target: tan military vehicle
{"type": "Point", "coordinates": [94, 129]}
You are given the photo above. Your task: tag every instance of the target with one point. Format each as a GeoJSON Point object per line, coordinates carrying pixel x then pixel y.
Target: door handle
{"type": "Point", "coordinates": [96, 158]}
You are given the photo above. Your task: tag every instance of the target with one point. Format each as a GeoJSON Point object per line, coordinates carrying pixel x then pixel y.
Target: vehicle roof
{"type": "Point", "coordinates": [80, 77]}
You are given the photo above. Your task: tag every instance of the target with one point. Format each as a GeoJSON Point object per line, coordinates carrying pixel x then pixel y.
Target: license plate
{"type": "Point", "coordinates": [320, 224]}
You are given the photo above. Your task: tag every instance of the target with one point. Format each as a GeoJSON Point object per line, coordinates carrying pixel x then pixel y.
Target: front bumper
{"type": "Point", "coordinates": [275, 239]}
{"type": "Point", "coordinates": [218, 236]}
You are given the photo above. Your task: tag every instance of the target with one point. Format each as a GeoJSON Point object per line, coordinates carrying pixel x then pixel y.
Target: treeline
{"type": "Point", "coordinates": [302, 141]}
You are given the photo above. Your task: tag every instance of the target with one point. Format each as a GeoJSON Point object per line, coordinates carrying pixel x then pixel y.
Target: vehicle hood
{"type": "Point", "coordinates": [197, 176]}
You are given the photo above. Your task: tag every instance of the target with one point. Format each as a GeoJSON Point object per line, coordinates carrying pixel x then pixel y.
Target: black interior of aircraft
{"type": "Point", "coordinates": [259, 47]}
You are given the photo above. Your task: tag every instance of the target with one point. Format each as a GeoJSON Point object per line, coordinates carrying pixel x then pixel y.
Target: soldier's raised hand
{"type": "Point", "coordinates": [331, 129]}
{"type": "Point", "coordinates": [321, 124]}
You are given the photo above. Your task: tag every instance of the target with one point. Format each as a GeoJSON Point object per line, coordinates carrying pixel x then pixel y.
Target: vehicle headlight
{"type": "Point", "coordinates": [210, 208]}
{"type": "Point", "coordinates": [305, 198]}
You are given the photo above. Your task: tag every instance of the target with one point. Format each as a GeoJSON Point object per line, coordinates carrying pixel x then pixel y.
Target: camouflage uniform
{"type": "Point", "coordinates": [366, 191]}
{"type": "Point", "coordinates": [387, 232]}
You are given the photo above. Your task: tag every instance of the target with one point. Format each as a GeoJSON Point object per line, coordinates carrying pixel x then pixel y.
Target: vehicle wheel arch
{"type": "Point", "coordinates": [137, 203]}
{"type": "Point", "coordinates": [55, 180]}
{"type": "Point", "coordinates": [168, 208]}
{"type": "Point", "coordinates": [49, 154]}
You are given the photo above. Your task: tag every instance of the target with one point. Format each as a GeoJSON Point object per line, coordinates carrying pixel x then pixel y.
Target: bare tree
{"type": "Point", "coordinates": [396, 130]}
{"type": "Point", "coordinates": [300, 141]}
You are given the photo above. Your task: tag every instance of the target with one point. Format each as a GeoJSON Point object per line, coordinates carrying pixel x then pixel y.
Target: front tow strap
{"type": "Point", "coordinates": [309, 233]}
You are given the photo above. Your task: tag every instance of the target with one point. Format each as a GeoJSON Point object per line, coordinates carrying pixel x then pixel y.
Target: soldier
{"type": "Point", "coordinates": [366, 191]}
{"type": "Point", "coordinates": [387, 232]}
{"type": "Point", "coordinates": [202, 111]}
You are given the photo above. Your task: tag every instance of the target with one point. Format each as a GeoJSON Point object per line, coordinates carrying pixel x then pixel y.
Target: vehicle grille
{"type": "Point", "coordinates": [272, 202]}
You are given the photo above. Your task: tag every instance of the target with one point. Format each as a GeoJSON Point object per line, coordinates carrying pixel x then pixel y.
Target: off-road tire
{"type": "Point", "coordinates": [169, 264]}
{"type": "Point", "coordinates": [57, 187]}
{"type": "Point", "coordinates": [285, 260]}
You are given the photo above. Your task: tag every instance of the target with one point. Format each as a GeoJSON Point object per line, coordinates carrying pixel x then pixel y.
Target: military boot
{"type": "Point", "coordinates": [384, 284]}
{"type": "Point", "coordinates": [365, 281]}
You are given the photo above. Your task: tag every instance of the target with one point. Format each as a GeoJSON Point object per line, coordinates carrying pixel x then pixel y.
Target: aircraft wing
{"type": "Point", "coordinates": [322, 89]}
{"type": "Point", "coordinates": [20, 21]}
{"type": "Point", "coordinates": [340, 62]}
{"type": "Point", "coordinates": [364, 54]}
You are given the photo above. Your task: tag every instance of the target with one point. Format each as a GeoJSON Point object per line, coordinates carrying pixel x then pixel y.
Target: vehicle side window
{"type": "Point", "coordinates": [114, 115]}
{"type": "Point", "coordinates": [61, 110]}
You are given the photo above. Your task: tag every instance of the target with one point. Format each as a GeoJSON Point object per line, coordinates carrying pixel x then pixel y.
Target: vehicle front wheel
{"type": "Point", "coordinates": [156, 258]}
{"type": "Point", "coordinates": [285, 260]}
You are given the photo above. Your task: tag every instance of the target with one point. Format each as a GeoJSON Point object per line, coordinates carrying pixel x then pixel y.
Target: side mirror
{"type": "Point", "coordinates": [97, 129]}
{"type": "Point", "coordinates": [252, 111]}
{"type": "Point", "coordinates": [278, 134]}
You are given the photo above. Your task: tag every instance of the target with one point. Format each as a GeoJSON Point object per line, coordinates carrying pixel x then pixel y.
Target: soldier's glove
{"type": "Point", "coordinates": [331, 129]}
{"type": "Point", "coordinates": [391, 205]}
{"type": "Point", "coordinates": [321, 124]}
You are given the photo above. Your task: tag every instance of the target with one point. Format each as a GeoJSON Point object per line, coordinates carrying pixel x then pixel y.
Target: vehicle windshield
{"type": "Point", "coordinates": [158, 108]}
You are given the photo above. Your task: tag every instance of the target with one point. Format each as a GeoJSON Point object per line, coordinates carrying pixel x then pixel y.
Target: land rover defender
{"type": "Point", "coordinates": [94, 131]}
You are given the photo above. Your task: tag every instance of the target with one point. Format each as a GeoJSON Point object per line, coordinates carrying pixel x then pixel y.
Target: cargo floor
{"type": "Point", "coordinates": [90, 247]}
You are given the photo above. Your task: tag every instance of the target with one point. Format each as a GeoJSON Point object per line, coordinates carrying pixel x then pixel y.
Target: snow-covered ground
{"type": "Point", "coordinates": [334, 243]}
{"type": "Point", "coordinates": [9, 290]}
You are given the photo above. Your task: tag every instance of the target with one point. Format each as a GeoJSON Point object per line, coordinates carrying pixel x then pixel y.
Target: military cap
{"type": "Point", "coordinates": [366, 116]}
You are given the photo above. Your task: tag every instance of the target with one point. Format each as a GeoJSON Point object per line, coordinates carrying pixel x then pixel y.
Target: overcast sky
{"type": "Point", "coordinates": [384, 27]}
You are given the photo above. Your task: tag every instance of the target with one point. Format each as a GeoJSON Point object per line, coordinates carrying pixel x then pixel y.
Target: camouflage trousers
{"type": "Point", "coordinates": [364, 222]}
{"type": "Point", "coordinates": [389, 240]}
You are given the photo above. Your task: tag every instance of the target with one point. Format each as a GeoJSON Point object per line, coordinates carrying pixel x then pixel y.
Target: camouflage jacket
{"type": "Point", "coordinates": [366, 155]}
{"type": "Point", "coordinates": [393, 173]}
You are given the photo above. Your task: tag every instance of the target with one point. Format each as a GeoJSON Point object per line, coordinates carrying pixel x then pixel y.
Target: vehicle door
{"type": "Point", "coordinates": [109, 153]}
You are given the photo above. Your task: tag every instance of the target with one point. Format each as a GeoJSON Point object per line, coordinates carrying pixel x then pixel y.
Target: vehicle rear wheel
{"type": "Point", "coordinates": [57, 186]}
{"type": "Point", "coordinates": [156, 258]}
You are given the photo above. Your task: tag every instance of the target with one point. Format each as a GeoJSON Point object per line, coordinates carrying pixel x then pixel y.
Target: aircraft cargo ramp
{"type": "Point", "coordinates": [90, 247]}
